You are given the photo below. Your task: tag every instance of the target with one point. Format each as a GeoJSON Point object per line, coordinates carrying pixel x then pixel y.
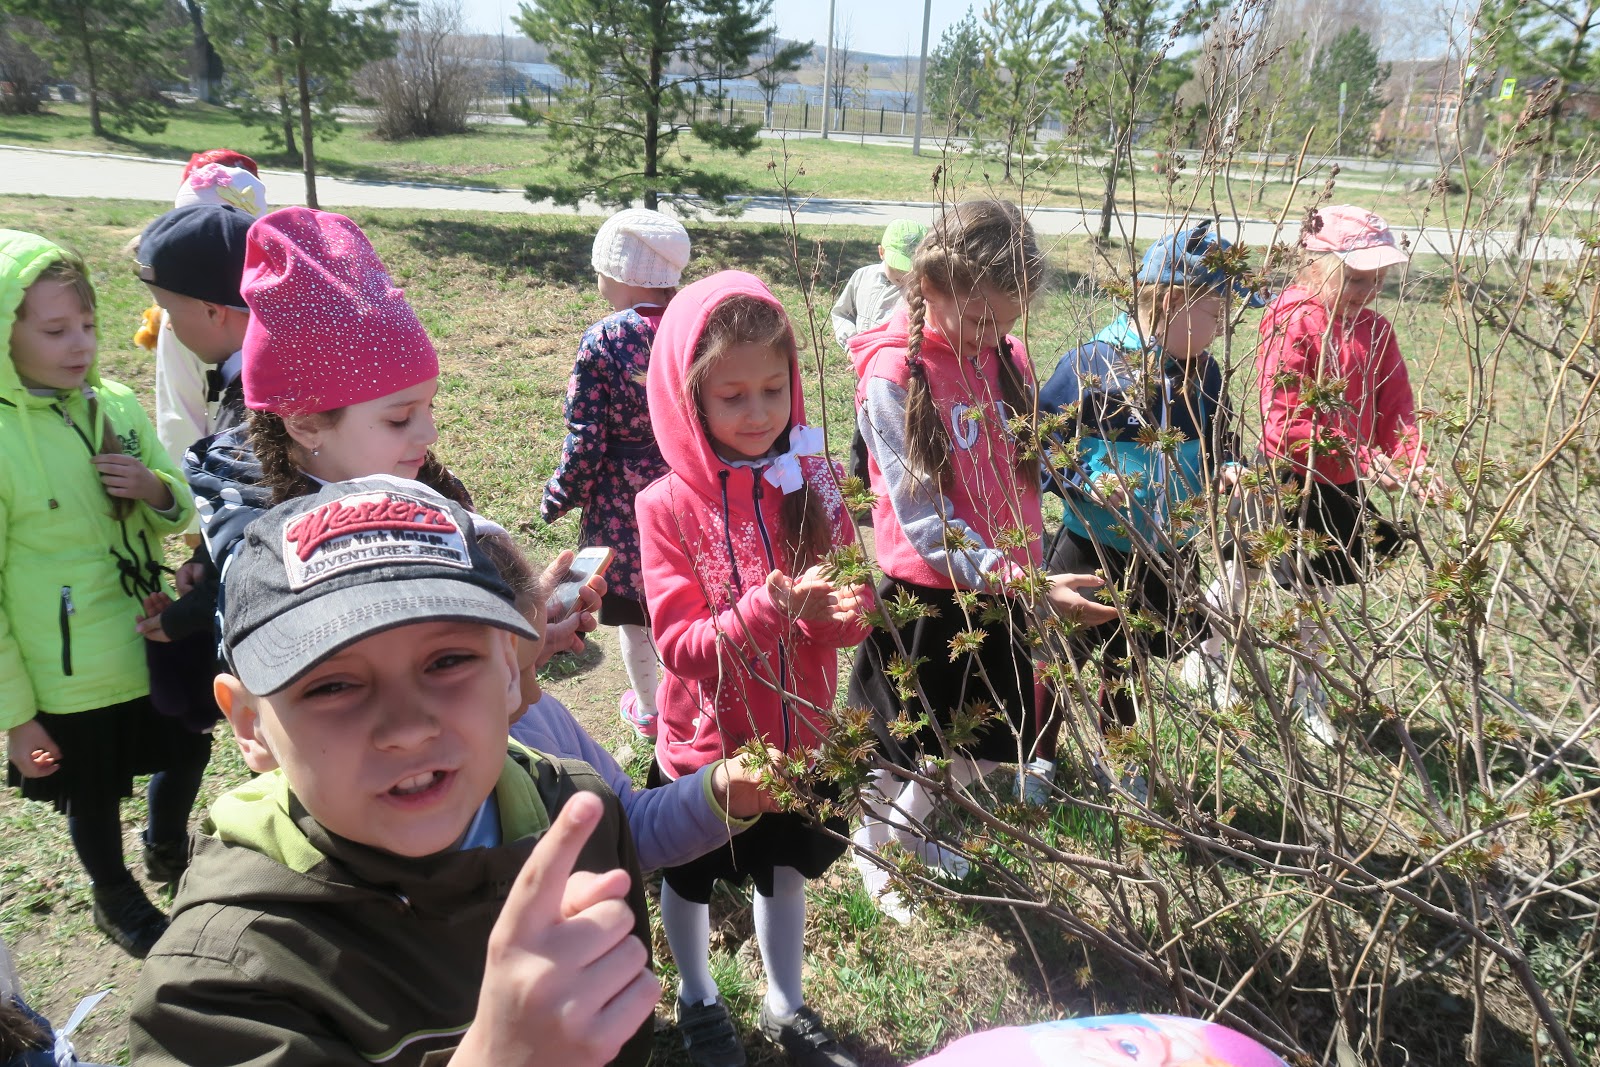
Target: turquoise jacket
{"type": "Point", "coordinates": [71, 576]}
{"type": "Point", "coordinates": [1118, 410]}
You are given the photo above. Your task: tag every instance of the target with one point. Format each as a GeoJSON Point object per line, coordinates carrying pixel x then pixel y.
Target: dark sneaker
{"type": "Point", "coordinates": [709, 1035]}
{"type": "Point", "coordinates": [165, 862]}
{"type": "Point", "coordinates": [125, 915]}
{"type": "Point", "coordinates": [805, 1039]}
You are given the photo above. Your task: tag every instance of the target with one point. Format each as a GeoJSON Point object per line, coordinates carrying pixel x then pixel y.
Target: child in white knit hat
{"type": "Point", "coordinates": [610, 452]}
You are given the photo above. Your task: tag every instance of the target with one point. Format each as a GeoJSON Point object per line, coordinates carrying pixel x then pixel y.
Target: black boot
{"type": "Point", "coordinates": [124, 914]}
{"type": "Point", "coordinates": [166, 861]}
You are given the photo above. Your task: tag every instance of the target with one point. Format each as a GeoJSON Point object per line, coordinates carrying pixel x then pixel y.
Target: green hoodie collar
{"type": "Point", "coordinates": [263, 816]}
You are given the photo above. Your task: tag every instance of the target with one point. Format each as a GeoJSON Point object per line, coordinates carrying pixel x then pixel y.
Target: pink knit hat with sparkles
{"type": "Point", "coordinates": [327, 327]}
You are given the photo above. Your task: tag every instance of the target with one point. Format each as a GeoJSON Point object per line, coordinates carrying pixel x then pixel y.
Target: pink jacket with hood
{"type": "Point", "coordinates": [1301, 342]}
{"type": "Point", "coordinates": [951, 538]}
{"type": "Point", "coordinates": [709, 534]}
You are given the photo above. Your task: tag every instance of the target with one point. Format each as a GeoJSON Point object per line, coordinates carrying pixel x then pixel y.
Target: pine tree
{"type": "Point", "coordinates": [635, 69]}
{"type": "Point", "coordinates": [953, 71]}
{"type": "Point", "coordinates": [296, 59]}
{"type": "Point", "coordinates": [1024, 60]}
{"type": "Point", "coordinates": [1123, 77]}
{"type": "Point", "coordinates": [120, 51]}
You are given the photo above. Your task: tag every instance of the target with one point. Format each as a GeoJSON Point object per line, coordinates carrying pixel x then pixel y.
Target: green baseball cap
{"type": "Point", "coordinates": [900, 240]}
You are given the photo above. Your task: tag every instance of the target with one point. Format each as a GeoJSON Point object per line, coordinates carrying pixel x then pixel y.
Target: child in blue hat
{"type": "Point", "coordinates": [1146, 432]}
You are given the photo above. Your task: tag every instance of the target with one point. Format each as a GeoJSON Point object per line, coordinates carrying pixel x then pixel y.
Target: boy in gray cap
{"type": "Point", "coordinates": [398, 885]}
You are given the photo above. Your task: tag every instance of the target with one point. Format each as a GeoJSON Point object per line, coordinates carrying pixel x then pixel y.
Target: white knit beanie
{"type": "Point", "coordinates": [643, 248]}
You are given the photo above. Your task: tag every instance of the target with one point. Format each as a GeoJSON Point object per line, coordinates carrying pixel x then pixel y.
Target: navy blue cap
{"type": "Point", "coordinates": [1180, 259]}
{"type": "Point", "coordinates": [197, 250]}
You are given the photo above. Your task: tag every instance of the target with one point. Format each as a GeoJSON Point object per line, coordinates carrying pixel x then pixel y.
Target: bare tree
{"type": "Point", "coordinates": [904, 93]}
{"type": "Point", "coordinates": [429, 86]}
{"type": "Point", "coordinates": [838, 86]}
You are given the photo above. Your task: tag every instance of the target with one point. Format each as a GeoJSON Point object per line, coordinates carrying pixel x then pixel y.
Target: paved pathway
{"type": "Point", "coordinates": [79, 174]}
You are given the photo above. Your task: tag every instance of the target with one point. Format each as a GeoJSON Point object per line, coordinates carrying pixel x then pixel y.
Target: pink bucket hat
{"type": "Point", "coordinates": [327, 327]}
{"type": "Point", "coordinates": [1359, 237]}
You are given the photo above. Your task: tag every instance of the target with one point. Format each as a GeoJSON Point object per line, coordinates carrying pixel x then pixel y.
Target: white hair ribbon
{"type": "Point", "coordinates": [784, 471]}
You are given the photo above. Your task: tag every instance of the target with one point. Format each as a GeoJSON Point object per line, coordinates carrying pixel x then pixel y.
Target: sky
{"type": "Point", "coordinates": [891, 27]}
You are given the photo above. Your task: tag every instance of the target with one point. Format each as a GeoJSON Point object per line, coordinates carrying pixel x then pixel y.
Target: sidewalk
{"type": "Point", "coordinates": [46, 172]}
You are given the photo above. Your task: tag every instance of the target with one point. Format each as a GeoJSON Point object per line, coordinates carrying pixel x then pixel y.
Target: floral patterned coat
{"type": "Point", "coordinates": [610, 453]}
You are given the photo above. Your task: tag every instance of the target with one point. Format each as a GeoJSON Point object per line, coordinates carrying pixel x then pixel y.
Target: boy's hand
{"type": "Point", "coordinates": [1066, 597]}
{"type": "Point", "coordinates": [149, 624]}
{"type": "Point", "coordinates": [126, 477]}
{"type": "Point", "coordinates": [565, 980]}
{"type": "Point", "coordinates": [563, 630]}
{"type": "Point", "coordinates": [737, 784]}
{"type": "Point", "coordinates": [809, 597]}
{"type": "Point", "coordinates": [33, 752]}
{"type": "Point", "coordinates": [187, 576]}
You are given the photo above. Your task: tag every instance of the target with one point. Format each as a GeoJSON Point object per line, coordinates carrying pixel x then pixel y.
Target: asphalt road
{"type": "Point", "coordinates": [40, 172]}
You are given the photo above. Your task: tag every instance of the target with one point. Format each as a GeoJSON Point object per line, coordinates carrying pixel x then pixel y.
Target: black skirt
{"type": "Point", "coordinates": [617, 610]}
{"type": "Point", "coordinates": [999, 674]}
{"type": "Point", "coordinates": [102, 751]}
{"type": "Point", "coordinates": [1141, 587]}
{"type": "Point", "coordinates": [778, 839]}
{"type": "Point", "coordinates": [1354, 537]}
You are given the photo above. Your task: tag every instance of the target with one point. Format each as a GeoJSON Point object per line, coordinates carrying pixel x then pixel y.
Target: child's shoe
{"type": "Point", "coordinates": [1310, 701]}
{"type": "Point", "coordinates": [165, 862]}
{"type": "Point", "coordinates": [125, 915]}
{"type": "Point", "coordinates": [1209, 675]}
{"type": "Point", "coordinates": [709, 1035]}
{"type": "Point", "coordinates": [1037, 778]}
{"type": "Point", "coordinates": [805, 1039]}
{"type": "Point", "coordinates": [635, 715]}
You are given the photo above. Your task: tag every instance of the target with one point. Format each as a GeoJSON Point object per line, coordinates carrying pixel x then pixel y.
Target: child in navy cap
{"type": "Point", "coordinates": [192, 258]}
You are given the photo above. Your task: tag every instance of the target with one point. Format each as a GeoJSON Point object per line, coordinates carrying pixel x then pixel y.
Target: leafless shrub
{"type": "Point", "coordinates": [1426, 888]}
{"type": "Point", "coordinates": [428, 87]}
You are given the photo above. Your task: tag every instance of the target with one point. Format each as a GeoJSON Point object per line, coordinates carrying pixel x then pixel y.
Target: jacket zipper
{"type": "Point", "coordinates": [68, 609]}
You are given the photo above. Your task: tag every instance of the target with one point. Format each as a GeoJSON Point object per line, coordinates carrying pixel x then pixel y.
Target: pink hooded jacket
{"type": "Point", "coordinates": [1378, 414]}
{"type": "Point", "coordinates": [709, 534]}
{"type": "Point", "coordinates": [984, 495]}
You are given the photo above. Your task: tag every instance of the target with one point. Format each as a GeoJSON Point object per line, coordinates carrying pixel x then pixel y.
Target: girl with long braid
{"type": "Point", "coordinates": [958, 524]}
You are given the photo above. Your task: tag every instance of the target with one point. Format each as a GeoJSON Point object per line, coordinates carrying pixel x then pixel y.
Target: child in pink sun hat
{"type": "Point", "coordinates": [1320, 334]}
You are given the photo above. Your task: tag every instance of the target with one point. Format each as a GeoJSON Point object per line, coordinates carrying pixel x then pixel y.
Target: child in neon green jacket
{"type": "Point", "coordinates": [86, 495]}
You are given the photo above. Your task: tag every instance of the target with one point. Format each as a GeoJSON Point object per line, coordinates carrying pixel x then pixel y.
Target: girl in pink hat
{"type": "Point", "coordinates": [1339, 417]}
{"type": "Point", "coordinates": [339, 379]}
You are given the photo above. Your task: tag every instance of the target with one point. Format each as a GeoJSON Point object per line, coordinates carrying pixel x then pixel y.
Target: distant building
{"type": "Point", "coordinates": [1424, 101]}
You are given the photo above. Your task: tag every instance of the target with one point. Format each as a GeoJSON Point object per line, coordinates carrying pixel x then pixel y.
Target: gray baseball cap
{"type": "Point", "coordinates": [318, 573]}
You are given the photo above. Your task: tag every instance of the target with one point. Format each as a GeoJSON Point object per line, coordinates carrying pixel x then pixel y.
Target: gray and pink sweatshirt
{"type": "Point", "coordinates": [945, 536]}
{"type": "Point", "coordinates": [736, 667]}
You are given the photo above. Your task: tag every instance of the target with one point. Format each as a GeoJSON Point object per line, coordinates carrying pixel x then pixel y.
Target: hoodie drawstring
{"type": "Point", "coordinates": [727, 535]}
{"type": "Point", "coordinates": [756, 494]}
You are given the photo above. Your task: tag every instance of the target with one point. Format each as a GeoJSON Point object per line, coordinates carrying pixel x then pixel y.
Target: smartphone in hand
{"type": "Point", "coordinates": [585, 565]}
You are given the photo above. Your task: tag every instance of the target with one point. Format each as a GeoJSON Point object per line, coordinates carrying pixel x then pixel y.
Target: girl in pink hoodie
{"type": "Point", "coordinates": [958, 525]}
{"type": "Point", "coordinates": [748, 630]}
{"type": "Point", "coordinates": [1339, 416]}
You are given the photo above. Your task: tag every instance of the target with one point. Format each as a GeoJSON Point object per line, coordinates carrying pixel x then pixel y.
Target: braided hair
{"type": "Point", "coordinates": [976, 243]}
{"type": "Point", "coordinates": [280, 471]}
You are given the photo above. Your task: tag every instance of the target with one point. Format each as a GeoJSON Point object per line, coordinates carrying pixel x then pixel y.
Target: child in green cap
{"type": "Point", "coordinates": [869, 300]}
{"type": "Point", "coordinates": [871, 294]}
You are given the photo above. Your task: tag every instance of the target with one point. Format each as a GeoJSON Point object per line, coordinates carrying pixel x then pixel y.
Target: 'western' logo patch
{"type": "Point", "coordinates": [368, 530]}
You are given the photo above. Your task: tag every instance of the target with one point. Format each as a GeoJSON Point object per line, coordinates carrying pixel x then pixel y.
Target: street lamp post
{"type": "Point", "coordinates": [922, 78]}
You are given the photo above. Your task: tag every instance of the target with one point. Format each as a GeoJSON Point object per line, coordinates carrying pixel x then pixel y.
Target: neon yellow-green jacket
{"type": "Point", "coordinates": [70, 573]}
